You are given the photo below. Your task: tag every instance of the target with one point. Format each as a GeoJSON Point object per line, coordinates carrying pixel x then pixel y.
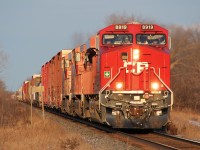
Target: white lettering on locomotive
{"type": "Point", "coordinates": [147, 27]}
{"type": "Point", "coordinates": [121, 27]}
{"type": "Point", "coordinates": [136, 67]}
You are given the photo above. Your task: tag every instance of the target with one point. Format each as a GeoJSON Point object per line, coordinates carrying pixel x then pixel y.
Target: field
{"type": "Point", "coordinates": [187, 122]}
{"type": "Point", "coordinates": [17, 132]}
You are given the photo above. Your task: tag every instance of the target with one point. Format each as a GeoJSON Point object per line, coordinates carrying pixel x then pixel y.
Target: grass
{"type": "Point", "coordinates": [39, 136]}
{"type": "Point", "coordinates": [17, 133]}
{"type": "Point", "coordinates": [182, 118]}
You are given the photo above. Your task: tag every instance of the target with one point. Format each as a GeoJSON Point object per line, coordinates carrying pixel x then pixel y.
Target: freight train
{"type": "Point", "coordinates": [120, 77]}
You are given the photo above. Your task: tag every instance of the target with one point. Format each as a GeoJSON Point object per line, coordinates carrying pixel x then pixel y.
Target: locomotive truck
{"type": "Point", "coordinates": [120, 77]}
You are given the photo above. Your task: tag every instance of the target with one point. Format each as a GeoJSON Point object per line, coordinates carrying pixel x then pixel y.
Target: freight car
{"type": "Point", "coordinates": [120, 77]}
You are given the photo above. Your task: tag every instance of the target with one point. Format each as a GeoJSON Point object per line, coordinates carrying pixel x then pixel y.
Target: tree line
{"type": "Point", "coordinates": [185, 65]}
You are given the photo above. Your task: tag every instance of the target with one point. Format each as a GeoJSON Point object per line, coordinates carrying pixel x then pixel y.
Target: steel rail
{"type": "Point", "coordinates": [155, 144]}
{"type": "Point", "coordinates": [194, 142]}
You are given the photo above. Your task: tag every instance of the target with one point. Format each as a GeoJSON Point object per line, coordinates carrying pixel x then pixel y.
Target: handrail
{"type": "Point", "coordinates": [112, 79]}
{"type": "Point", "coordinates": [172, 94]}
{"type": "Point", "coordinates": [107, 84]}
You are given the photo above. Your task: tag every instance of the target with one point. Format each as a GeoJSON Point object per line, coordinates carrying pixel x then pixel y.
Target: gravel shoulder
{"type": "Point", "coordinates": [97, 139]}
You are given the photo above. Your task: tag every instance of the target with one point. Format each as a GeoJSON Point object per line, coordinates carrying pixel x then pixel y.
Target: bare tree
{"type": "Point", "coordinates": [180, 41]}
{"type": "Point", "coordinates": [185, 65]}
{"type": "Point", "coordinates": [123, 18]}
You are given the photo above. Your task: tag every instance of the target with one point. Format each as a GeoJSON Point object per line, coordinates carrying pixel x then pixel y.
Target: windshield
{"type": "Point", "coordinates": [114, 39]}
{"type": "Point", "coordinates": [151, 39]}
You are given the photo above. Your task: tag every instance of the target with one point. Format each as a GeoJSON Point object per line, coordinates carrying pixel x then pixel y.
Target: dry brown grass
{"type": "Point", "coordinates": [41, 135]}
{"type": "Point", "coordinates": [182, 121]}
{"type": "Point", "coordinates": [17, 133]}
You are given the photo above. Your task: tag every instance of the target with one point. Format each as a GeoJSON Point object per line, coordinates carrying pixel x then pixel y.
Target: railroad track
{"type": "Point", "coordinates": [165, 141]}
{"type": "Point", "coordinates": [152, 139]}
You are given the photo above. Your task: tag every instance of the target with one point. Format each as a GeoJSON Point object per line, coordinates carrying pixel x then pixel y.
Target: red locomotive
{"type": "Point", "coordinates": [119, 77]}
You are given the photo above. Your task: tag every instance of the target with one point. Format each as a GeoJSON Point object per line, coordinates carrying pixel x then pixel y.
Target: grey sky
{"type": "Point", "coordinates": [32, 31]}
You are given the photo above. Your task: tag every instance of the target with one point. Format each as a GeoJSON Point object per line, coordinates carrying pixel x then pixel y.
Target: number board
{"type": "Point", "coordinates": [121, 27]}
{"type": "Point", "coordinates": [147, 27]}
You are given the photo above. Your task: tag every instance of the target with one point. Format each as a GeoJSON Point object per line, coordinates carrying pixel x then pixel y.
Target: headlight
{"type": "Point", "coordinates": [119, 85]}
{"type": "Point", "coordinates": [158, 113]}
{"type": "Point", "coordinates": [155, 86]}
{"type": "Point", "coordinates": [136, 54]}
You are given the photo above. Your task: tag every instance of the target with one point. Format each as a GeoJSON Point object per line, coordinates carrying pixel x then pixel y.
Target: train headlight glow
{"type": "Point", "coordinates": [119, 85]}
{"type": "Point", "coordinates": [158, 113]}
{"type": "Point", "coordinates": [154, 86]}
{"type": "Point", "coordinates": [136, 54]}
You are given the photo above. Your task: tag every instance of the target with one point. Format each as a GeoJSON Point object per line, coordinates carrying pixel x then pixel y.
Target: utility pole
{"type": "Point", "coordinates": [31, 112]}
{"type": "Point", "coordinates": [42, 98]}
{"type": "Point", "coordinates": [42, 108]}
{"type": "Point", "coordinates": [2, 112]}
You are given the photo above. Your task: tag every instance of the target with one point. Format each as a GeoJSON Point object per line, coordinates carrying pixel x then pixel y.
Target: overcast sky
{"type": "Point", "coordinates": [32, 31]}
